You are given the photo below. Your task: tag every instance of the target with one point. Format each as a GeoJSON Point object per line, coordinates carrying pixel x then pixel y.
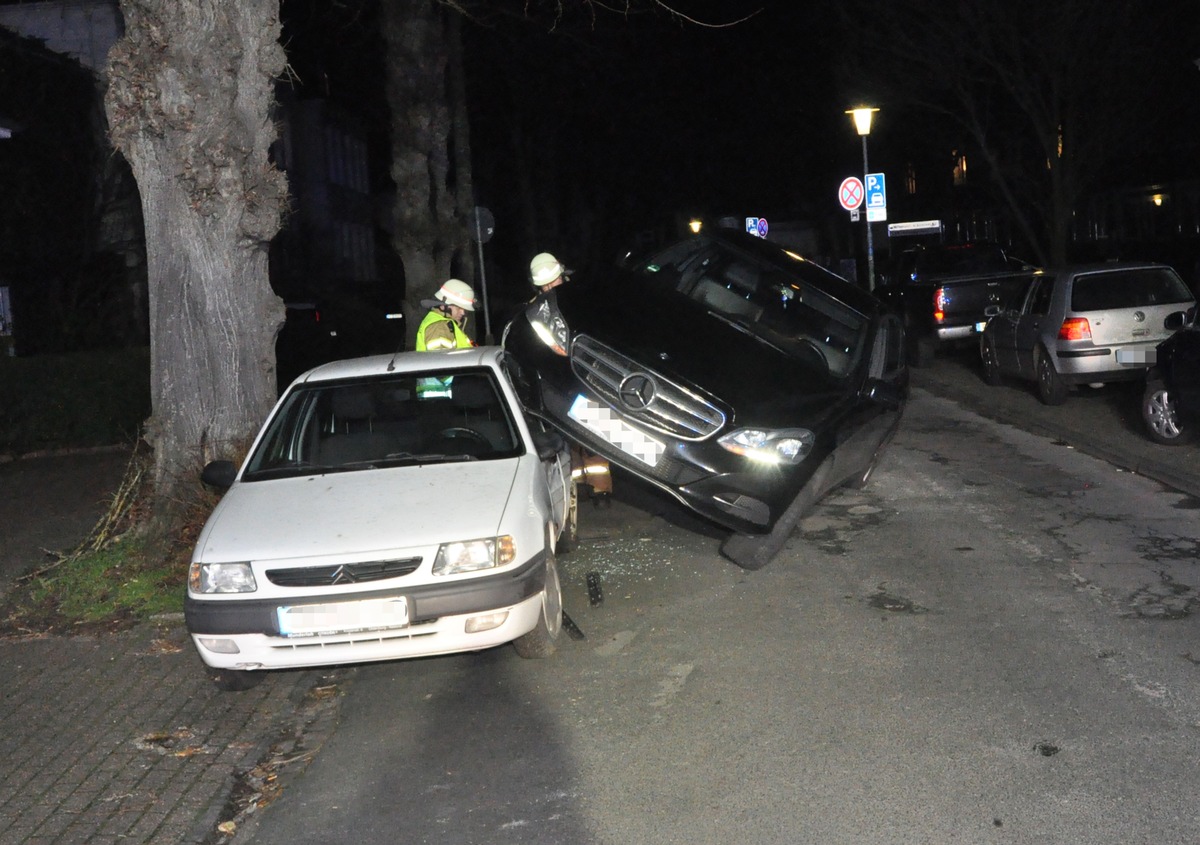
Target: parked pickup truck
{"type": "Point", "coordinates": [946, 293]}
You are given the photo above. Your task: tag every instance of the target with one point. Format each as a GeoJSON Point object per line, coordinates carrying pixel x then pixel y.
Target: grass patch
{"type": "Point", "coordinates": [123, 583]}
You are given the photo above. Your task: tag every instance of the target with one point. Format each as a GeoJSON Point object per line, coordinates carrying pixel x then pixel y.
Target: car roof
{"type": "Point", "coordinates": [404, 362]}
{"type": "Point", "coordinates": [1101, 266]}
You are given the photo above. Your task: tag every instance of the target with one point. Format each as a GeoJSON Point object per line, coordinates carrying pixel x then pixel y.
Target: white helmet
{"type": "Point", "coordinates": [544, 269]}
{"type": "Point", "coordinates": [455, 292]}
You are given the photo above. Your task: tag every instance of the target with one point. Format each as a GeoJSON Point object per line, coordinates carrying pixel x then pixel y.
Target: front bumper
{"type": "Point", "coordinates": [247, 630]}
{"type": "Point", "coordinates": [719, 485]}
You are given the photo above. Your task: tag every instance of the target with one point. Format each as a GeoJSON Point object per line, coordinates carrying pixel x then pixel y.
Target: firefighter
{"type": "Point", "coordinates": [444, 327]}
{"type": "Point", "coordinates": [546, 272]}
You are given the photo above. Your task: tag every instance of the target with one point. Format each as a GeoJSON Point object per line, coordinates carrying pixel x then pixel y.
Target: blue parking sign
{"type": "Point", "coordinates": [876, 199]}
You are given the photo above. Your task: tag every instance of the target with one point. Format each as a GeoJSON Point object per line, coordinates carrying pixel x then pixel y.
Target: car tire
{"type": "Point", "coordinates": [754, 551]}
{"type": "Point", "coordinates": [1051, 388]}
{"type": "Point", "coordinates": [1161, 416]}
{"type": "Point", "coordinates": [235, 680]}
{"type": "Point", "coordinates": [991, 364]}
{"type": "Point", "coordinates": [568, 538]}
{"type": "Point", "coordinates": [542, 641]}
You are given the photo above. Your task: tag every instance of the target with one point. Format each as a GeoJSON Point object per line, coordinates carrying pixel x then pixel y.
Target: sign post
{"type": "Point", "coordinates": [483, 225]}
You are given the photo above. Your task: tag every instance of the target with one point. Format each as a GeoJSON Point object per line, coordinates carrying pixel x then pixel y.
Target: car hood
{"type": "Point", "coordinates": [683, 341]}
{"type": "Point", "coordinates": [352, 512]}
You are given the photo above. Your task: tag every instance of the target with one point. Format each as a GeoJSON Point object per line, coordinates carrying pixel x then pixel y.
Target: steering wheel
{"type": "Point", "coordinates": [468, 434]}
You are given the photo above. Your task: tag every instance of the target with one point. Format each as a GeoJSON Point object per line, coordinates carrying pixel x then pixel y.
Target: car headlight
{"type": "Point", "coordinates": [221, 578]}
{"type": "Point", "coordinates": [770, 446]}
{"type": "Point", "coordinates": [473, 555]}
{"type": "Point", "coordinates": [548, 324]}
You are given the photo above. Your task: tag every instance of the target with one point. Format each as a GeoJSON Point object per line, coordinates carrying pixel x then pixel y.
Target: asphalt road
{"type": "Point", "coordinates": [1104, 422]}
{"type": "Point", "coordinates": [994, 642]}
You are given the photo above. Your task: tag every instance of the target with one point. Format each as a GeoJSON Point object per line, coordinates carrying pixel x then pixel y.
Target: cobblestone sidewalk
{"type": "Point", "coordinates": [121, 738]}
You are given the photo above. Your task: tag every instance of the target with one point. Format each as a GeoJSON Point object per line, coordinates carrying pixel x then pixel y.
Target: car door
{"type": "Point", "coordinates": [1028, 328]}
{"type": "Point", "coordinates": [1185, 371]}
{"type": "Point", "coordinates": [557, 468]}
{"type": "Point", "coordinates": [1002, 329]}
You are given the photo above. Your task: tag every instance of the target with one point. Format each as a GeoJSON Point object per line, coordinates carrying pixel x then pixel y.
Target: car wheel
{"type": "Point", "coordinates": [235, 680]}
{"type": "Point", "coordinates": [754, 551]}
{"type": "Point", "coordinates": [991, 364]}
{"type": "Point", "coordinates": [543, 639]}
{"type": "Point", "coordinates": [1051, 388]}
{"type": "Point", "coordinates": [1161, 416]}
{"type": "Point", "coordinates": [568, 538]}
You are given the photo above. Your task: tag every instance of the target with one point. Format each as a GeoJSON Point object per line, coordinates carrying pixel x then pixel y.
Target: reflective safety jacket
{"type": "Point", "coordinates": [441, 338]}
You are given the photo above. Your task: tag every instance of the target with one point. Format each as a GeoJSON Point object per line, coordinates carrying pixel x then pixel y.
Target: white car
{"type": "Point", "coordinates": [391, 506]}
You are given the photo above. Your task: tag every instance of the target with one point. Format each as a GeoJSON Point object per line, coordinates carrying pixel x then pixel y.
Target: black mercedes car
{"type": "Point", "coordinates": [737, 376]}
{"type": "Point", "coordinates": [1171, 401]}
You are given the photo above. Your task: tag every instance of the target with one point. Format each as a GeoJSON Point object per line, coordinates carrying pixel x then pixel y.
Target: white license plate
{"type": "Point", "coordinates": [603, 421]}
{"type": "Point", "coordinates": [1136, 357]}
{"type": "Point", "coordinates": [343, 617]}
{"type": "Point", "coordinates": [980, 326]}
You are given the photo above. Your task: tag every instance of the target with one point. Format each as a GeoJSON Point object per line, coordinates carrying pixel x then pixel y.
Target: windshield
{"type": "Point", "coordinates": [790, 310]}
{"type": "Point", "coordinates": [395, 420]}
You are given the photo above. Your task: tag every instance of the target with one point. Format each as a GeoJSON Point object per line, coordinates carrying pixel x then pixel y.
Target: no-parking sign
{"type": "Point", "coordinates": [851, 193]}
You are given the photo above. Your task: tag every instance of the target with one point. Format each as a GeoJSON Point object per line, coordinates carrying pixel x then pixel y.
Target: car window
{"type": "Point", "coordinates": [1135, 288]}
{"type": "Point", "coordinates": [392, 421]}
{"type": "Point", "coordinates": [774, 305]}
{"type": "Point", "coordinates": [961, 260]}
{"type": "Point", "coordinates": [1042, 295]}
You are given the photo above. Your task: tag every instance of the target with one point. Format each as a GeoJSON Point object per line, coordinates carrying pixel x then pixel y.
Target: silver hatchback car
{"type": "Point", "coordinates": [1088, 324]}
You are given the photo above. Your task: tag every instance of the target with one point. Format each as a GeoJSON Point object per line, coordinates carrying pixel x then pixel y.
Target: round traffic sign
{"type": "Point", "coordinates": [851, 192]}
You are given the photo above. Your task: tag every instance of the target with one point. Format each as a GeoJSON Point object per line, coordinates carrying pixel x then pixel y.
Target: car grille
{"type": "Point", "coordinates": [669, 470]}
{"type": "Point", "coordinates": [668, 408]}
{"type": "Point", "coordinates": [345, 573]}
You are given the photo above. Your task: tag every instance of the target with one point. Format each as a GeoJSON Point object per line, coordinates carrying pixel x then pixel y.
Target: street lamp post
{"type": "Point", "coordinates": [862, 122]}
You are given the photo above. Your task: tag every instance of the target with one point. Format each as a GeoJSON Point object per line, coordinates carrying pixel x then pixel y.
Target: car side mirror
{"type": "Point", "coordinates": [548, 444]}
{"type": "Point", "coordinates": [991, 311]}
{"type": "Point", "coordinates": [883, 392]}
{"type": "Point", "coordinates": [219, 474]}
{"type": "Point", "coordinates": [1175, 320]}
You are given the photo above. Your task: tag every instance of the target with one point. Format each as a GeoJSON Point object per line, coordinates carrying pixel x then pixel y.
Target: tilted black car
{"type": "Point", "coordinates": [1171, 401]}
{"type": "Point", "coordinates": [740, 378]}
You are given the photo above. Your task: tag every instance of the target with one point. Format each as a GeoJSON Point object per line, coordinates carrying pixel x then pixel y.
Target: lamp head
{"type": "Point", "coordinates": [862, 118]}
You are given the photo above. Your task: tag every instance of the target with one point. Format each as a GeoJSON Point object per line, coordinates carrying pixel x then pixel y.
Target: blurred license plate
{"type": "Point", "coordinates": [1139, 357]}
{"type": "Point", "coordinates": [980, 326]}
{"type": "Point", "coordinates": [341, 617]}
{"type": "Point", "coordinates": [603, 421]}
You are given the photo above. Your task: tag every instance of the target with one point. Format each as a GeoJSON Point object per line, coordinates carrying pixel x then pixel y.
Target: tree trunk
{"type": "Point", "coordinates": [189, 104]}
{"type": "Point", "coordinates": [430, 149]}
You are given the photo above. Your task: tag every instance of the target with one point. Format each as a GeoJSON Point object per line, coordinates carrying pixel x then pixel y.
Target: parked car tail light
{"type": "Point", "coordinates": [939, 305]}
{"type": "Point", "coordinates": [780, 446]}
{"type": "Point", "coordinates": [473, 555]}
{"type": "Point", "coordinates": [1075, 328]}
{"type": "Point", "coordinates": [221, 578]}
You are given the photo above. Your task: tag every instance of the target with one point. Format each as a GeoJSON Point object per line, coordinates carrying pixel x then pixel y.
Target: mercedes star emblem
{"type": "Point", "coordinates": [637, 391]}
